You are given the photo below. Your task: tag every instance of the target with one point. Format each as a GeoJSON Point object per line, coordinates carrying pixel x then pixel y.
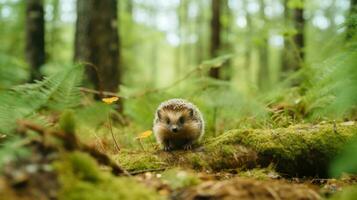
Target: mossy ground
{"type": "Point", "coordinates": [300, 150]}
{"type": "Point", "coordinates": [218, 164]}
{"type": "Point", "coordinates": [81, 179]}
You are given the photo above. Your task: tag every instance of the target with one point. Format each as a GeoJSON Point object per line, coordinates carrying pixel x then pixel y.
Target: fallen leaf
{"type": "Point", "coordinates": [144, 134]}
{"type": "Point", "coordinates": [110, 100]}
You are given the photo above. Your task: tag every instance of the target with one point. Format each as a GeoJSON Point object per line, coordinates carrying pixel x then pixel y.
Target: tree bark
{"type": "Point", "coordinates": [97, 42]}
{"type": "Point", "coordinates": [263, 49]}
{"type": "Point", "coordinates": [299, 38]}
{"type": "Point", "coordinates": [35, 37]}
{"type": "Point", "coordinates": [216, 27]}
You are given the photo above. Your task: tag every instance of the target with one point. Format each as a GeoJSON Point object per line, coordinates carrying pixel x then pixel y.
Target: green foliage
{"type": "Point", "coordinates": [11, 149]}
{"type": "Point", "coordinates": [67, 122]}
{"type": "Point", "coordinates": [332, 87]}
{"type": "Point", "coordinates": [348, 193]}
{"type": "Point", "coordinates": [16, 74]}
{"type": "Point", "coordinates": [295, 4]}
{"type": "Point", "coordinates": [81, 179]}
{"type": "Point", "coordinates": [346, 161]}
{"type": "Point", "coordinates": [57, 92]}
{"type": "Point", "coordinates": [84, 167]}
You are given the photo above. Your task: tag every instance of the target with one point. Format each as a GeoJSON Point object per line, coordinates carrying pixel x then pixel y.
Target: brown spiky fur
{"type": "Point", "coordinates": [182, 115]}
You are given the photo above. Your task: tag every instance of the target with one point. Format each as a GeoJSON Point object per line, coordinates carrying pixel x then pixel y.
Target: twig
{"type": "Point", "coordinates": [105, 93]}
{"type": "Point", "coordinates": [111, 131]}
{"type": "Point", "coordinates": [148, 91]}
{"type": "Point", "coordinates": [72, 143]}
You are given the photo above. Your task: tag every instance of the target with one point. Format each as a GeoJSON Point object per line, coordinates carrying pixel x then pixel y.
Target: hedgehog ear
{"type": "Point", "coordinates": [191, 112]}
{"type": "Point", "coordinates": [158, 114]}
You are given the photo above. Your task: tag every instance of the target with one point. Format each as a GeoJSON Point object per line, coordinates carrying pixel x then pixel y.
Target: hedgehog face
{"type": "Point", "coordinates": [175, 120]}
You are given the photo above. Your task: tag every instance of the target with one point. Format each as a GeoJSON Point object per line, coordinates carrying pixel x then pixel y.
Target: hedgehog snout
{"type": "Point", "coordinates": [174, 128]}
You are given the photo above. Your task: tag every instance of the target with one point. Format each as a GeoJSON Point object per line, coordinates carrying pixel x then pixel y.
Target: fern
{"type": "Point", "coordinates": [57, 92]}
{"type": "Point", "coordinates": [13, 75]}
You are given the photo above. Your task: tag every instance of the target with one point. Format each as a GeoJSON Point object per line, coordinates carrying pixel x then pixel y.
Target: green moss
{"type": "Point", "coordinates": [177, 178]}
{"type": "Point", "coordinates": [84, 167]}
{"type": "Point", "coordinates": [296, 150]}
{"type": "Point", "coordinates": [67, 122]}
{"type": "Point", "coordinates": [259, 173]}
{"type": "Point", "coordinates": [81, 179]}
{"type": "Point", "coordinates": [301, 149]}
{"type": "Point", "coordinates": [139, 160]}
{"type": "Point", "coordinates": [349, 193]}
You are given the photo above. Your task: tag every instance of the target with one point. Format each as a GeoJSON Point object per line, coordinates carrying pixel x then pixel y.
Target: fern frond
{"type": "Point", "coordinates": [57, 92]}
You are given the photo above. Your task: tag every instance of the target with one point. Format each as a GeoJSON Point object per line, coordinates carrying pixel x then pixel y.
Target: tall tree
{"type": "Point", "coordinates": [263, 47]}
{"type": "Point", "coordinates": [248, 43]}
{"type": "Point", "coordinates": [227, 48]}
{"type": "Point", "coordinates": [216, 27]}
{"type": "Point", "coordinates": [97, 42]}
{"type": "Point", "coordinates": [287, 52]}
{"type": "Point", "coordinates": [201, 50]}
{"type": "Point", "coordinates": [35, 37]}
{"type": "Point", "coordinates": [352, 25]}
{"type": "Point", "coordinates": [293, 53]}
{"type": "Point", "coordinates": [299, 37]}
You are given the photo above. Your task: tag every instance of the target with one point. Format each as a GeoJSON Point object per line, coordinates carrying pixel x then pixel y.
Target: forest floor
{"type": "Point", "coordinates": [282, 163]}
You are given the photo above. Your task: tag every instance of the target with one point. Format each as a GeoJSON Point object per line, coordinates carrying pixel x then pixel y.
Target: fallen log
{"type": "Point", "coordinates": [299, 150]}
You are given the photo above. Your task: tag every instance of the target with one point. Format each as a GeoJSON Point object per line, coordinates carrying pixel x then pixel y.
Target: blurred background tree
{"type": "Point", "coordinates": [226, 52]}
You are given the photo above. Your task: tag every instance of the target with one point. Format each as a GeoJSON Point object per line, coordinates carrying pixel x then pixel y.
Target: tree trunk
{"type": "Point", "coordinates": [200, 31]}
{"type": "Point", "coordinates": [35, 37]}
{"type": "Point", "coordinates": [287, 52]}
{"type": "Point", "coordinates": [248, 45]}
{"type": "Point", "coordinates": [351, 27]}
{"type": "Point", "coordinates": [299, 23]}
{"type": "Point", "coordinates": [215, 35]}
{"type": "Point", "coordinates": [97, 42]}
{"type": "Point", "coordinates": [293, 53]}
{"type": "Point", "coordinates": [263, 49]}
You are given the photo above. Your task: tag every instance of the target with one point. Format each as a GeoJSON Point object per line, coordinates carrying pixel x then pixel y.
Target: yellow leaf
{"type": "Point", "coordinates": [144, 134]}
{"type": "Point", "coordinates": [110, 100]}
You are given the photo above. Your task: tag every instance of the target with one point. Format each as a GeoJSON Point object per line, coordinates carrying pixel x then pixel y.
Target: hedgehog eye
{"type": "Point", "coordinates": [182, 120]}
{"type": "Point", "coordinates": [168, 121]}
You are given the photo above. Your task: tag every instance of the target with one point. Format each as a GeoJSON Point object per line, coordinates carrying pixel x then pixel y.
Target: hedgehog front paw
{"type": "Point", "coordinates": [187, 147]}
{"type": "Point", "coordinates": [167, 148]}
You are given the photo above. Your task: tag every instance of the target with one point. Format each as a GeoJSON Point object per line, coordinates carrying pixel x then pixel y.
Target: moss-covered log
{"type": "Point", "coordinates": [300, 150]}
{"type": "Point", "coordinates": [229, 156]}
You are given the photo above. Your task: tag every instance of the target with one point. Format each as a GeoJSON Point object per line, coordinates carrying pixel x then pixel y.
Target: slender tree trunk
{"type": "Point", "coordinates": [352, 27]}
{"type": "Point", "coordinates": [226, 69]}
{"type": "Point", "coordinates": [97, 42]}
{"type": "Point", "coordinates": [216, 27]}
{"type": "Point", "coordinates": [293, 53]}
{"type": "Point", "coordinates": [299, 38]}
{"type": "Point", "coordinates": [287, 51]}
{"type": "Point", "coordinates": [248, 45]}
{"type": "Point", "coordinates": [200, 47]}
{"type": "Point", "coordinates": [54, 33]}
{"type": "Point", "coordinates": [263, 72]}
{"type": "Point", "coordinates": [35, 37]}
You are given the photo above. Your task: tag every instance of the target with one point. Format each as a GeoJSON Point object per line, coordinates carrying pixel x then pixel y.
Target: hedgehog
{"type": "Point", "coordinates": [178, 124]}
